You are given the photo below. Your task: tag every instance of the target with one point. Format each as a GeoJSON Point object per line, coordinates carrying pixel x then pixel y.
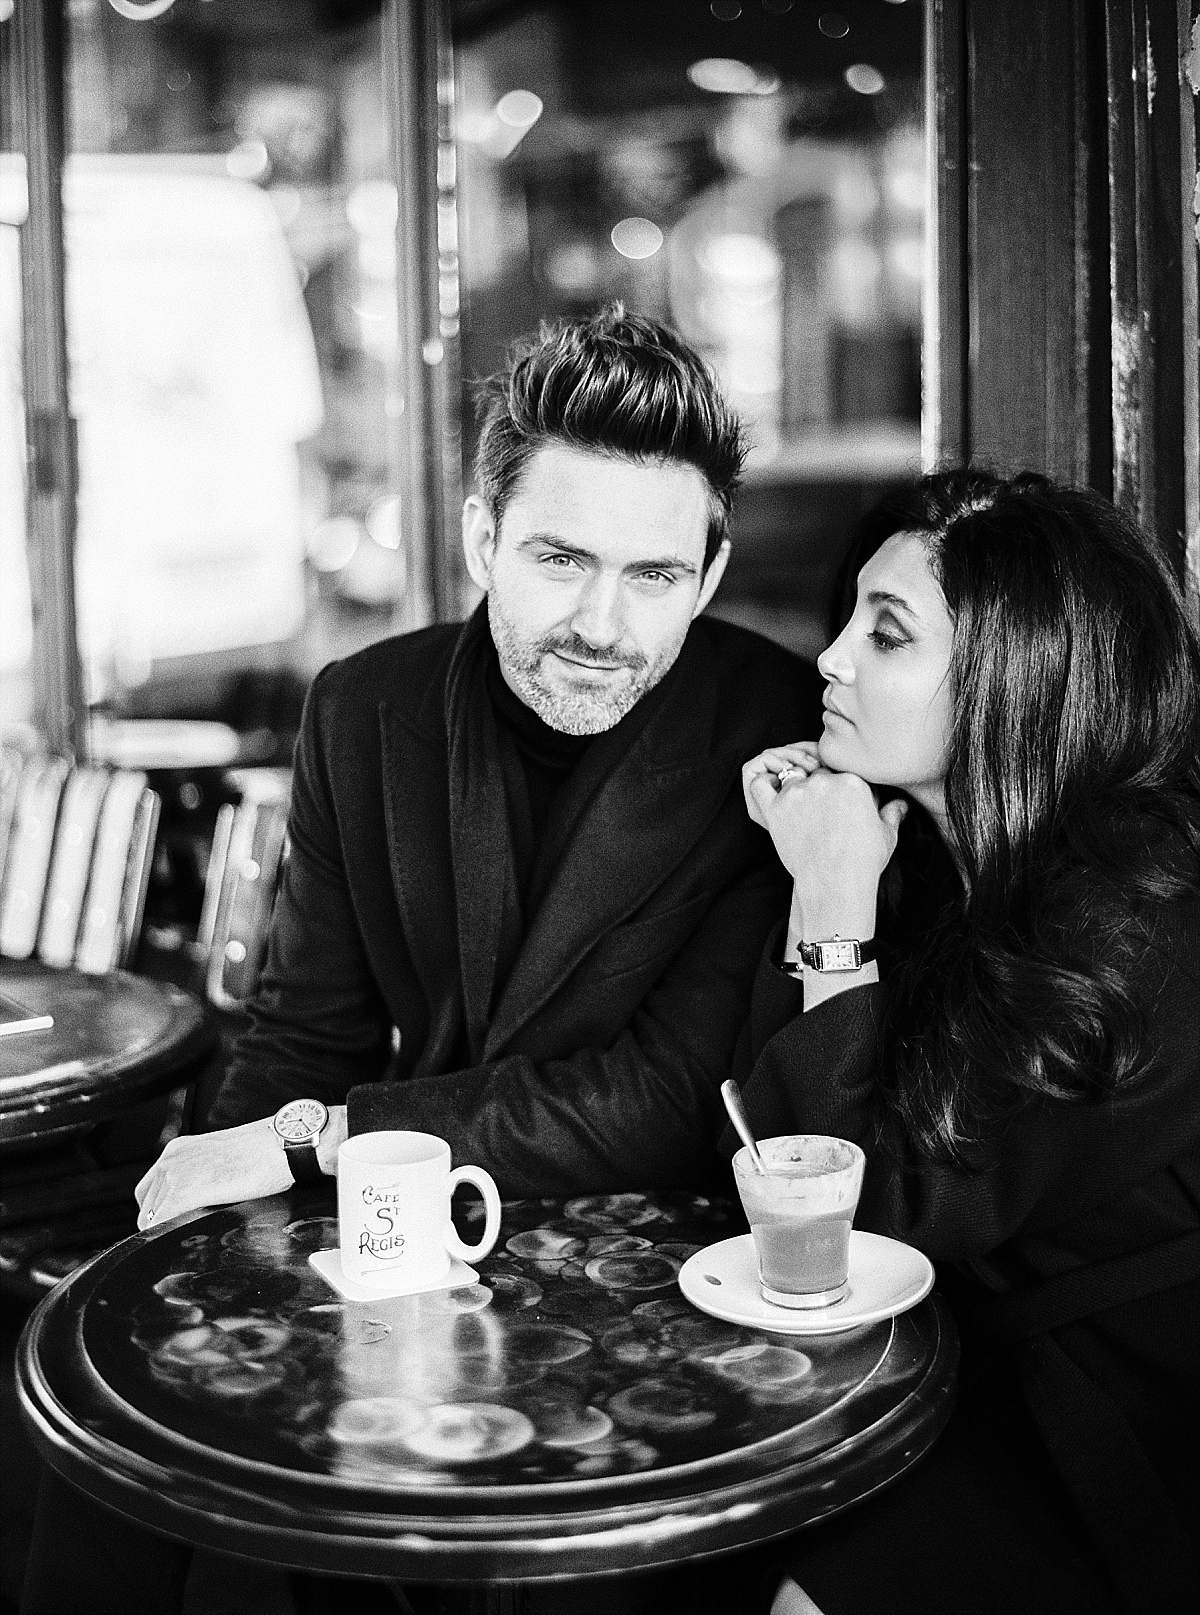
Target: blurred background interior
{"type": "Point", "coordinates": [754, 174]}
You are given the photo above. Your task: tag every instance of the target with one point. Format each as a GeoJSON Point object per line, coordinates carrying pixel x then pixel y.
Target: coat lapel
{"type": "Point", "coordinates": [481, 848]}
{"type": "Point", "coordinates": [653, 802]}
{"type": "Point", "coordinates": [448, 835]}
{"type": "Point", "coordinates": [417, 818]}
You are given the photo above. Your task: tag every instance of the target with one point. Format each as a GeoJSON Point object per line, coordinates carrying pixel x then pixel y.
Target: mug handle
{"type": "Point", "coordinates": [484, 1182]}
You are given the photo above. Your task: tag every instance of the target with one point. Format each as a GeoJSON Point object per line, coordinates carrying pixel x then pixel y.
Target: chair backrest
{"type": "Point", "coordinates": [249, 847]}
{"type": "Point", "coordinates": [76, 862]}
{"type": "Point", "coordinates": [78, 817]}
{"type": "Point", "coordinates": [121, 862]}
{"type": "Point", "coordinates": [28, 853]}
{"type": "Point", "coordinates": [11, 763]}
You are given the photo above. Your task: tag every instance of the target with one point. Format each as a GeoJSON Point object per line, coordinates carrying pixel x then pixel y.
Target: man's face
{"type": "Point", "coordinates": [592, 579]}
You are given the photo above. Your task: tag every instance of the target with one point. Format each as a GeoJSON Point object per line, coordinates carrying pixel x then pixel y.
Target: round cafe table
{"type": "Point", "coordinates": [570, 1415]}
{"type": "Point", "coordinates": [115, 1039]}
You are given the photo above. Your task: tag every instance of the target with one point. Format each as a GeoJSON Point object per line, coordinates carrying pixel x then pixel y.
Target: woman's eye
{"type": "Point", "coordinates": [884, 640]}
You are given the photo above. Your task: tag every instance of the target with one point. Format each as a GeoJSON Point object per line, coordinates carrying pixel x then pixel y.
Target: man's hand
{"type": "Point", "coordinates": [219, 1169]}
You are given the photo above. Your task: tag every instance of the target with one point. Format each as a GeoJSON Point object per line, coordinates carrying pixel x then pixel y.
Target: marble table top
{"type": "Point", "coordinates": [115, 1039]}
{"type": "Point", "coordinates": [570, 1414]}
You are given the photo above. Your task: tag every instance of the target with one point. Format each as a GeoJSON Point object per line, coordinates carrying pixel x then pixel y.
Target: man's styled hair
{"type": "Point", "coordinates": [613, 383]}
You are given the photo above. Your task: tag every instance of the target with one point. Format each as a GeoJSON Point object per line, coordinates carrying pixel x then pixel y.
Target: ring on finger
{"type": "Point", "coordinates": [786, 773]}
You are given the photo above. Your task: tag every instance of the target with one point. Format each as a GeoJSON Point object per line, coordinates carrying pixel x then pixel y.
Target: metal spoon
{"type": "Point", "coordinates": [731, 1094]}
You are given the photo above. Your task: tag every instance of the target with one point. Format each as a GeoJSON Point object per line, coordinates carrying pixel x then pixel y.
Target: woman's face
{"type": "Point", "coordinates": [888, 701]}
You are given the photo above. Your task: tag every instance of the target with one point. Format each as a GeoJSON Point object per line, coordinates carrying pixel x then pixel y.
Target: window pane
{"type": "Point", "coordinates": [16, 626]}
{"type": "Point", "coordinates": [753, 174]}
{"type": "Point", "coordinates": [232, 328]}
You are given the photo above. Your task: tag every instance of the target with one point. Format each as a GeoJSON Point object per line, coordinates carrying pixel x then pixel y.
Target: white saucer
{"type": "Point", "coordinates": [329, 1265]}
{"type": "Point", "coordinates": [886, 1277]}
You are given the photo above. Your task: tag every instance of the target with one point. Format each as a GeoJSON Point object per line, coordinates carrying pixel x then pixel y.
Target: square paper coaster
{"type": "Point", "coordinates": [329, 1265]}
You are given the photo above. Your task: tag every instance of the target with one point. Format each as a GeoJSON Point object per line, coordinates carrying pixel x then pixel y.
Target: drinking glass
{"type": "Point", "coordinates": [800, 1212]}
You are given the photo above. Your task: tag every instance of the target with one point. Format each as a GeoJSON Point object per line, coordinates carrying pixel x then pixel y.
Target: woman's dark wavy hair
{"type": "Point", "coordinates": [618, 384]}
{"type": "Point", "coordinates": [1073, 798]}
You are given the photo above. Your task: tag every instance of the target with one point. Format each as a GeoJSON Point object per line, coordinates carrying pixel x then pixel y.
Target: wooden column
{"type": "Point", "coordinates": [1064, 160]}
{"type": "Point", "coordinates": [419, 93]}
{"type": "Point", "coordinates": [1152, 152]}
{"type": "Point", "coordinates": [51, 476]}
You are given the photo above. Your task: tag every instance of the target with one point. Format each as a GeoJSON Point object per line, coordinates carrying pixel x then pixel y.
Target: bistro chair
{"type": "Point", "coordinates": [248, 852]}
{"type": "Point", "coordinates": [75, 860]}
{"type": "Point", "coordinates": [48, 1227]}
{"type": "Point", "coordinates": [76, 847]}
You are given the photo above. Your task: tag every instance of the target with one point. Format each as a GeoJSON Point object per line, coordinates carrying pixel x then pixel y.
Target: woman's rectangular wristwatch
{"type": "Point", "coordinates": [833, 954]}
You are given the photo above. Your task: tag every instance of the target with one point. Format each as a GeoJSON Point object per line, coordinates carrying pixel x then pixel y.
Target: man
{"type": "Point", "coordinates": [523, 903]}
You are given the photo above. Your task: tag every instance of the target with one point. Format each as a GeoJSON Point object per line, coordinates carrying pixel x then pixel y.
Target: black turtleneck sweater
{"type": "Point", "coordinates": [537, 761]}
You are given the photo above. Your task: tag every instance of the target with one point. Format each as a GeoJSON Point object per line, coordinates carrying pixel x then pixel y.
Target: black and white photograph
{"type": "Point", "coordinates": [599, 807]}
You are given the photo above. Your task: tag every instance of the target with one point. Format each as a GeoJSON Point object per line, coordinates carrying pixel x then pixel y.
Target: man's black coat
{"type": "Point", "coordinates": [597, 1063]}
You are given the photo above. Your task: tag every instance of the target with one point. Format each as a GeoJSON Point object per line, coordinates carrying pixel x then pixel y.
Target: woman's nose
{"type": "Point", "coordinates": [834, 661]}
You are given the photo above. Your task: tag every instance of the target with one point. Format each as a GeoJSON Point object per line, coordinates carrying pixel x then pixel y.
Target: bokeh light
{"type": "Point", "coordinates": [636, 238]}
{"type": "Point", "coordinates": [725, 75]}
{"type": "Point", "coordinates": [864, 79]}
{"type": "Point", "coordinates": [383, 522]}
{"type": "Point", "coordinates": [249, 159]}
{"type": "Point", "coordinates": [519, 109]}
{"type": "Point", "coordinates": [332, 543]}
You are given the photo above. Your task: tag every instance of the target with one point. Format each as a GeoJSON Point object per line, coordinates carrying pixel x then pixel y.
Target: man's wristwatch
{"type": "Point", "coordinates": [835, 953]}
{"type": "Point", "coordinates": [298, 1125]}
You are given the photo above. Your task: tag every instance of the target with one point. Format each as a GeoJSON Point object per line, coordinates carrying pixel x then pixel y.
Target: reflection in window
{"type": "Point", "coordinates": [16, 620]}
{"type": "Point", "coordinates": [233, 337]}
{"type": "Point", "coordinates": [759, 182]}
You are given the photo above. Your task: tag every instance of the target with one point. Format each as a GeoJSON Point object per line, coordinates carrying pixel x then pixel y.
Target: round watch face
{"type": "Point", "coordinates": [300, 1121]}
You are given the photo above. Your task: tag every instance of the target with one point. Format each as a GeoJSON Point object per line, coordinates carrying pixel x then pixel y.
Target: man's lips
{"type": "Point", "coordinates": [590, 667]}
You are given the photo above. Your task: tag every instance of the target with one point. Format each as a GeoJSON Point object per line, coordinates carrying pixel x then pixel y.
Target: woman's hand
{"type": "Point", "coordinates": [766, 768]}
{"type": "Point", "coordinates": [831, 837]}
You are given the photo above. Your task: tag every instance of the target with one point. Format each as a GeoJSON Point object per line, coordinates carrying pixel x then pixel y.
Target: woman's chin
{"type": "Point", "coordinates": [833, 755]}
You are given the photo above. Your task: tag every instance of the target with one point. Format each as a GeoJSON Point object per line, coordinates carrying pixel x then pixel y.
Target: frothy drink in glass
{"type": "Point", "coordinates": [800, 1212]}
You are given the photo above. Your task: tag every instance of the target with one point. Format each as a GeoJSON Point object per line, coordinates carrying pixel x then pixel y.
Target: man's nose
{"type": "Point", "coordinates": [834, 662]}
{"type": "Point", "coordinates": [598, 617]}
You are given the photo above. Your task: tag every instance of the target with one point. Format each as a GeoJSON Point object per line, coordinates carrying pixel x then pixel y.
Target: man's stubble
{"type": "Point", "coordinates": [581, 711]}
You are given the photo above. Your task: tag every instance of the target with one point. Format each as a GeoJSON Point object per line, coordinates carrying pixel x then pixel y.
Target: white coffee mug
{"type": "Point", "coordinates": [394, 1224]}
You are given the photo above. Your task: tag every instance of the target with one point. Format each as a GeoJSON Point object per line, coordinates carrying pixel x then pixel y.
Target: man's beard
{"type": "Point", "coordinates": [583, 710]}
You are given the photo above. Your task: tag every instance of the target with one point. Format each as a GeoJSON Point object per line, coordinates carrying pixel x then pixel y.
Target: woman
{"type": "Point", "coordinates": [1008, 782]}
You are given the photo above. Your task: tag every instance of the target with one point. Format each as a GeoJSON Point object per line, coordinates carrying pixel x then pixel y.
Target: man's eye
{"type": "Point", "coordinates": [656, 579]}
{"type": "Point", "coordinates": [559, 561]}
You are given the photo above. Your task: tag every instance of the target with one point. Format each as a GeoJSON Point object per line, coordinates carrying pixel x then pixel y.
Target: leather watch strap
{"type": "Point", "coordinates": [302, 1159]}
{"type": "Point", "coordinates": [868, 952]}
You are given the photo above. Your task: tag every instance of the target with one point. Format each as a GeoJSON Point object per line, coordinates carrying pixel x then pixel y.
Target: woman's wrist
{"type": "Point", "coordinates": [811, 922]}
